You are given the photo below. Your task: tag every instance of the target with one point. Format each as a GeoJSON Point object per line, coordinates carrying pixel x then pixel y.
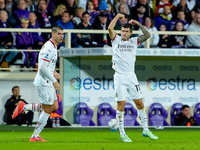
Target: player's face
{"type": "Point", "coordinates": [2, 4]}
{"type": "Point", "coordinates": [42, 5]}
{"type": "Point", "coordinates": [144, 2]}
{"type": "Point", "coordinates": [186, 111]}
{"type": "Point", "coordinates": [197, 19]}
{"type": "Point", "coordinates": [86, 18]}
{"type": "Point", "coordinates": [58, 36]}
{"type": "Point", "coordinates": [123, 21]}
{"type": "Point", "coordinates": [90, 6]}
{"type": "Point", "coordinates": [162, 28]}
{"type": "Point", "coordinates": [122, 9]}
{"type": "Point", "coordinates": [179, 26]}
{"type": "Point", "coordinates": [193, 13]}
{"type": "Point", "coordinates": [142, 9]}
{"type": "Point", "coordinates": [125, 33]}
{"type": "Point", "coordinates": [70, 2]}
{"type": "Point", "coordinates": [103, 19]}
{"type": "Point", "coordinates": [22, 5]}
{"type": "Point", "coordinates": [16, 92]}
{"type": "Point", "coordinates": [183, 2]}
{"type": "Point", "coordinates": [166, 10]}
{"type": "Point", "coordinates": [62, 10]}
{"type": "Point", "coordinates": [65, 18]}
{"type": "Point", "coordinates": [4, 16]}
{"type": "Point", "coordinates": [24, 25]}
{"type": "Point", "coordinates": [181, 15]}
{"type": "Point", "coordinates": [79, 13]}
{"type": "Point", "coordinates": [32, 17]}
{"type": "Point", "coordinates": [147, 22]}
{"type": "Point", "coordinates": [109, 8]}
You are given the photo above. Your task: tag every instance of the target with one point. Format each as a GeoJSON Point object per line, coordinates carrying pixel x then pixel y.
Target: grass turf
{"type": "Point", "coordinates": [17, 138]}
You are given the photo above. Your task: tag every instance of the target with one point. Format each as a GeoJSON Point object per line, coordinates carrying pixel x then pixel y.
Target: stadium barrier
{"type": "Point", "coordinates": [72, 58]}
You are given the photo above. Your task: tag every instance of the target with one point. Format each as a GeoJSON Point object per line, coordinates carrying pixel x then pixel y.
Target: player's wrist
{"type": "Point", "coordinates": [55, 82]}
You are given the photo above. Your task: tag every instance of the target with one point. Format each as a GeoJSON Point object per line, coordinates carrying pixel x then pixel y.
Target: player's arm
{"type": "Point", "coordinates": [146, 33]}
{"type": "Point", "coordinates": [47, 74]}
{"type": "Point", "coordinates": [56, 75]}
{"type": "Point", "coordinates": [111, 30]}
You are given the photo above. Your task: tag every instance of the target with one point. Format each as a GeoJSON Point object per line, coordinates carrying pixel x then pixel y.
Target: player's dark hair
{"type": "Point", "coordinates": [56, 28]}
{"type": "Point", "coordinates": [14, 88]}
{"type": "Point", "coordinates": [127, 25]}
{"type": "Point", "coordinates": [180, 11]}
{"type": "Point", "coordinates": [184, 106]}
{"type": "Point", "coordinates": [68, 12]}
{"type": "Point", "coordinates": [85, 13]}
{"type": "Point", "coordinates": [43, 0]}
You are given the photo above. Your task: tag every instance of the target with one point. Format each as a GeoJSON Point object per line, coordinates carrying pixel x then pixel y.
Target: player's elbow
{"type": "Point", "coordinates": [149, 35]}
{"type": "Point", "coordinates": [55, 108]}
{"type": "Point", "coordinates": [110, 28]}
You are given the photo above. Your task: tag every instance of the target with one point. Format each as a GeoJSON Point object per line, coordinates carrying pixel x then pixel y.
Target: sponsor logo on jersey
{"type": "Point", "coordinates": [46, 57]}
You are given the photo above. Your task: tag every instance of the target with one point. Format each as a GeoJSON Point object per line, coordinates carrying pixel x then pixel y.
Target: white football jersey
{"type": "Point", "coordinates": [48, 53]}
{"type": "Point", "coordinates": [124, 54]}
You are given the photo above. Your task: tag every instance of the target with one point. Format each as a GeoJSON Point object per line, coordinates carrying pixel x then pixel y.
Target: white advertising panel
{"type": "Point", "coordinates": [169, 81]}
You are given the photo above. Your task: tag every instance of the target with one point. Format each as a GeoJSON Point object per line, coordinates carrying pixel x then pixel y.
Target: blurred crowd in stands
{"type": "Point", "coordinates": [156, 15]}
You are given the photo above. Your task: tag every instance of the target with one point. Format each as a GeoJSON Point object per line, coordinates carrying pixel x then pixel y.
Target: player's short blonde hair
{"type": "Point", "coordinates": [58, 9]}
{"type": "Point", "coordinates": [24, 20]}
{"type": "Point", "coordinates": [79, 8]}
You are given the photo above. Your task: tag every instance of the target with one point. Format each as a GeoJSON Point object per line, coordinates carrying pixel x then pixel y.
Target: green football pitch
{"type": "Point", "coordinates": [17, 138]}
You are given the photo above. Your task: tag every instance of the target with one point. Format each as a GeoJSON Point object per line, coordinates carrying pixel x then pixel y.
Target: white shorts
{"type": "Point", "coordinates": [126, 87]}
{"type": "Point", "coordinates": [46, 94]}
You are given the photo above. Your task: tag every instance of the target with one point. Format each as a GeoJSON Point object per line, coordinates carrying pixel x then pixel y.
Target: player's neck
{"type": "Point", "coordinates": [54, 42]}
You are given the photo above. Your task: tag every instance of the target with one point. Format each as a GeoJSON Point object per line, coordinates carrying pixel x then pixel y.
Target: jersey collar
{"type": "Point", "coordinates": [53, 43]}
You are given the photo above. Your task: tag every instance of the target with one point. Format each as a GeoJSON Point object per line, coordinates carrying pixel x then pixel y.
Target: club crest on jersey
{"type": "Point", "coordinates": [46, 57]}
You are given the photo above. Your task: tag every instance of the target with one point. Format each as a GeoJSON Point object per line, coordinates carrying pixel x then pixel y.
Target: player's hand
{"type": "Point", "coordinates": [164, 36]}
{"type": "Point", "coordinates": [56, 86]}
{"type": "Point", "coordinates": [121, 16]}
{"type": "Point", "coordinates": [56, 75]}
{"type": "Point", "coordinates": [9, 44]}
{"type": "Point", "coordinates": [163, 45]}
{"type": "Point", "coordinates": [79, 35]}
{"type": "Point", "coordinates": [180, 42]}
{"type": "Point", "coordinates": [133, 22]}
{"type": "Point", "coordinates": [40, 43]}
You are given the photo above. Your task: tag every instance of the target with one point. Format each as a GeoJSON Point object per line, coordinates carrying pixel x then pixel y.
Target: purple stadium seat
{"type": "Point", "coordinates": [157, 115]}
{"type": "Point", "coordinates": [176, 108]}
{"type": "Point", "coordinates": [104, 114]}
{"type": "Point", "coordinates": [197, 113]}
{"type": "Point", "coordinates": [83, 115]}
{"type": "Point", "coordinates": [130, 116]}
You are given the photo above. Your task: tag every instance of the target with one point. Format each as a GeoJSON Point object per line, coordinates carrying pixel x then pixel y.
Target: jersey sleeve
{"type": "Point", "coordinates": [116, 39]}
{"type": "Point", "coordinates": [46, 53]}
{"type": "Point", "coordinates": [135, 41]}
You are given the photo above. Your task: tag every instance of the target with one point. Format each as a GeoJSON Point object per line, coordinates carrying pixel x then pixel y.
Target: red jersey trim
{"type": "Point", "coordinates": [138, 42]}
{"type": "Point", "coordinates": [45, 60]}
{"type": "Point", "coordinates": [53, 43]}
{"type": "Point", "coordinates": [114, 37]}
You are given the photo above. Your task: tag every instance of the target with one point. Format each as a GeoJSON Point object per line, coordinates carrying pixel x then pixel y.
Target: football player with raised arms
{"type": "Point", "coordinates": [125, 80]}
{"type": "Point", "coordinates": [45, 82]}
